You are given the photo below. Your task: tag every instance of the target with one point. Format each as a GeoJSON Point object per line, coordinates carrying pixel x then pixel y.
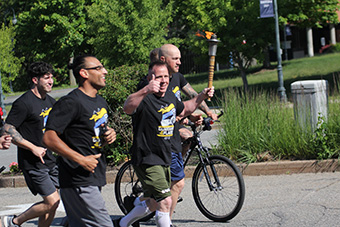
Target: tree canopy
{"type": "Point", "coordinates": [9, 63]}
{"type": "Point", "coordinates": [125, 31]}
{"type": "Point", "coordinates": [51, 30]}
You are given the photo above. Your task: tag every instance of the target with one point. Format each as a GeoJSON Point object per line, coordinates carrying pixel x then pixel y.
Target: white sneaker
{"type": "Point", "coordinates": [8, 221]}
{"type": "Point", "coordinates": [137, 201]}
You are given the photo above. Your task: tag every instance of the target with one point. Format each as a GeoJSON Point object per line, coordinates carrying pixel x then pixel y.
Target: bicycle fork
{"type": "Point", "coordinates": [205, 160]}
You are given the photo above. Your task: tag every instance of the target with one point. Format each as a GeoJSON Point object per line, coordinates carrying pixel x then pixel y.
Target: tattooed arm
{"type": "Point", "coordinates": [190, 92]}
{"type": "Point", "coordinates": [18, 140]}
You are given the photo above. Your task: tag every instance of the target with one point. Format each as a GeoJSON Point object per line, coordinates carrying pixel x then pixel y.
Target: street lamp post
{"type": "Point", "coordinates": [213, 41]}
{"type": "Point", "coordinates": [14, 21]}
{"type": "Point", "coordinates": [281, 90]}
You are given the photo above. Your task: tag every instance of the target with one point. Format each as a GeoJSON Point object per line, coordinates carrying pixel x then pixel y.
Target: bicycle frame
{"type": "Point", "coordinates": [203, 154]}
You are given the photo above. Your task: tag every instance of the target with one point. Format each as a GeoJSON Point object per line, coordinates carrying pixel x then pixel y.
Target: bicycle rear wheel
{"type": "Point", "coordinates": [127, 184]}
{"type": "Point", "coordinates": [224, 201]}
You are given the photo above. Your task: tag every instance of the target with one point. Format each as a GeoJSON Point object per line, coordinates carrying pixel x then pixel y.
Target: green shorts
{"type": "Point", "coordinates": [155, 181]}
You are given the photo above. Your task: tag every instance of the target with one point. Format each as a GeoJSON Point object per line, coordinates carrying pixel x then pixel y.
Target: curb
{"type": "Point", "coordinates": [254, 169]}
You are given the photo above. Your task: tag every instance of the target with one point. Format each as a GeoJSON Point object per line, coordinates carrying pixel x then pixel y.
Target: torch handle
{"type": "Point", "coordinates": [211, 72]}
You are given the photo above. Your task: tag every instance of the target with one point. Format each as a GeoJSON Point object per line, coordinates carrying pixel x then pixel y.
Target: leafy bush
{"type": "Point", "coordinates": [259, 125]}
{"type": "Point", "coordinates": [335, 48]}
{"type": "Point", "coordinates": [120, 83]}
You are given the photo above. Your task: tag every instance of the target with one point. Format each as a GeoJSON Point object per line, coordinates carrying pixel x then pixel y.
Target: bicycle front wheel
{"type": "Point", "coordinates": [127, 184]}
{"type": "Point", "coordinates": [223, 199]}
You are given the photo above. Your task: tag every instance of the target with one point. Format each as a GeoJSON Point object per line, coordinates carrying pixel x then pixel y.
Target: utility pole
{"type": "Point", "coordinates": [281, 90]}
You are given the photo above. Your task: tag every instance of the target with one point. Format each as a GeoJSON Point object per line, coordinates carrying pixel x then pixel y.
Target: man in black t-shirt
{"type": "Point", "coordinates": [26, 124]}
{"type": "Point", "coordinates": [171, 55]}
{"type": "Point", "coordinates": [154, 110]}
{"type": "Point", "coordinates": [77, 131]}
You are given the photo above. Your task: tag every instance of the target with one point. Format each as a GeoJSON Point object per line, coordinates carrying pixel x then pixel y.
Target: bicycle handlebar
{"type": "Point", "coordinates": [207, 122]}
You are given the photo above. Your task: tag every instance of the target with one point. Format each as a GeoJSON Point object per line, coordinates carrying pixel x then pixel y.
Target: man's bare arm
{"type": "Point", "coordinates": [191, 93]}
{"type": "Point", "coordinates": [16, 136]}
{"type": "Point", "coordinates": [18, 140]}
{"type": "Point", "coordinates": [191, 105]}
{"type": "Point", "coordinates": [53, 142]}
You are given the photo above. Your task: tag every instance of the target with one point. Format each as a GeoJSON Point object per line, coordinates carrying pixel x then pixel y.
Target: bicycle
{"type": "Point", "coordinates": [217, 183]}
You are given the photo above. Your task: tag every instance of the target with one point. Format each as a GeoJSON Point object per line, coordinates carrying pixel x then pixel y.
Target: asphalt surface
{"type": "Point", "coordinates": [278, 200]}
{"type": "Point", "coordinates": [310, 199]}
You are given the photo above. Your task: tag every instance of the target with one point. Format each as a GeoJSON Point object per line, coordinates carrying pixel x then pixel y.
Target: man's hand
{"type": "Point", "coordinates": [181, 120]}
{"type": "Point", "coordinates": [110, 135]}
{"type": "Point", "coordinates": [39, 152]}
{"type": "Point", "coordinates": [154, 85]}
{"type": "Point", "coordinates": [196, 118]}
{"type": "Point", "coordinates": [208, 92]}
{"type": "Point", "coordinates": [5, 142]}
{"type": "Point", "coordinates": [212, 115]}
{"type": "Point", "coordinates": [90, 162]}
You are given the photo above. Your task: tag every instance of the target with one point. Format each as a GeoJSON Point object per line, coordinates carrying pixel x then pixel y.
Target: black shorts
{"type": "Point", "coordinates": [42, 181]}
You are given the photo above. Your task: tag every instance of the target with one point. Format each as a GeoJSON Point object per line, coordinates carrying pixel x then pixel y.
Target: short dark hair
{"type": "Point", "coordinates": [39, 69]}
{"type": "Point", "coordinates": [154, 55]}
{"type": "Point", "coordinates": [78, 64]}
{"type": "Point", "coordinates": [157, 63]}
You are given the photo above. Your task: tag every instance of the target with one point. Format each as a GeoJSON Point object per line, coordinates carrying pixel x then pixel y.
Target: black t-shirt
{"type": "Point", "coordinates": [177, 82]}
{"type": "Point", "coordinates": [154, 121]}
{"type": "Point", "coordinates": [77, 118]}
{"type": "Point", "coordinates": [29, 115]}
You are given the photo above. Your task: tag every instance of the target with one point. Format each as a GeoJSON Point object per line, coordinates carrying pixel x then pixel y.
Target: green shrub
{"type": "Point", "coordinates": [335, 48]}
{"type": "Point", "coordinates": [259, 125]}
{"type": "Point", "coordinates": [120, 83]}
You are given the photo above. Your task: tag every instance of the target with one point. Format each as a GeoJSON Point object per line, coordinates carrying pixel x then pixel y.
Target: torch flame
{"type": "Point", "coordinates": [204, 34]}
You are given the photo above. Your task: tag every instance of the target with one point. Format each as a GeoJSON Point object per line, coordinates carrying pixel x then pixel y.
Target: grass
{"type": "Point", "coordinates": [319, 67]}
{"type": "Point", "coordinates": [258, 127]}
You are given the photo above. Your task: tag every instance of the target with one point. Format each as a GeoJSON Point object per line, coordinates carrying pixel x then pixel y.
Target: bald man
{"type": "Point", "coordinates": [171, 55]}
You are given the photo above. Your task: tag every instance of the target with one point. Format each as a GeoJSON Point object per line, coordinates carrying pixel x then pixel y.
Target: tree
{"type": "Point", "coordinates": [125, 31]}
{"type": "Point", "coordinates": [236, 24]}
{"type": "Point", "coordinates": [307, 13]}
{"type": "Point", "coordinates": [9, 64]}
{"type": "Point", "coordinates": [52, 31]}
{"type": "Point", "coordinates": [242, 33]}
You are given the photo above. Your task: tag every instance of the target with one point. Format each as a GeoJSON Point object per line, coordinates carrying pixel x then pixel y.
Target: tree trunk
{"type": "Point", "coordinates": [266, 62]}
{"type": "Point", "coordinates": [72, 78]}
{"type": "Point", "coordinates": [240, 65]}
{"type": "Point", "coordinates": [244, 79]}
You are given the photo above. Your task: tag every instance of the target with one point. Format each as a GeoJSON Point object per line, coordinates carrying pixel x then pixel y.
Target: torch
{"type": "Point", "coordinates": [212, 53]}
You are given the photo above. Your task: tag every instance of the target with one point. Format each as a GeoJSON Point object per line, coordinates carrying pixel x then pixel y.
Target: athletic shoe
{"type": "Point", "coordinates": [116, 222]}
{"type": "Point", "coordinates": [128, 202]}
{"type": "Point", "coordinates": [8, 221]}
{"type": "Point", "coordinates": [180, 199]}
{"type": "Point", "coordinates": [136, 224]}
{"type": "Point", "coordinates": [137, 201]}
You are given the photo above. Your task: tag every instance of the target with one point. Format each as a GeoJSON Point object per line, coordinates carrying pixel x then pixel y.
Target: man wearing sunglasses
{"type": "Point", "coordinates": [77, 131]}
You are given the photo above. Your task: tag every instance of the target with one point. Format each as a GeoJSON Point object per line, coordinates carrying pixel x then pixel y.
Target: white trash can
{"type": "Point", "coordinates": [310, 99]}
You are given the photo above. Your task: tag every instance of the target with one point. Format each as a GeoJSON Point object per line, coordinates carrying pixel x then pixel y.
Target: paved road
{"type": "Point", "coordinates": [281, 200]}
{"type": "Point", "coordinates": [56, 93]}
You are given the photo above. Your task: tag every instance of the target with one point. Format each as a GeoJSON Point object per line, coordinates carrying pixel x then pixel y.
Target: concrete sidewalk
{"type": "Point", "coordinates": [254, 169]}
